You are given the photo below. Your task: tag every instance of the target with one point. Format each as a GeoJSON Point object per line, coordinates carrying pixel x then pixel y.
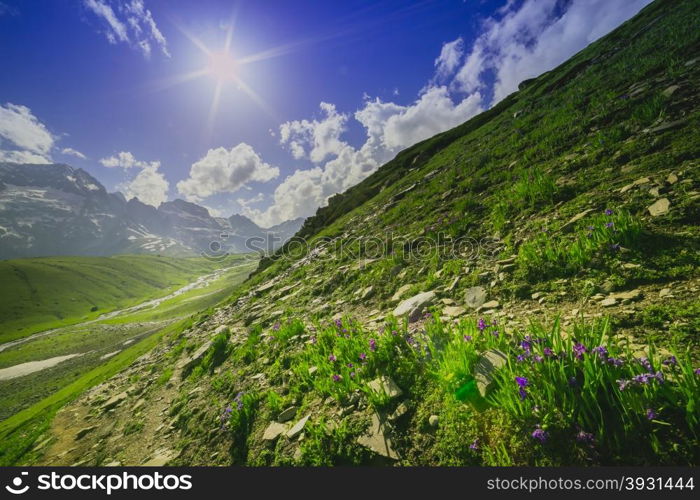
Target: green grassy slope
{"type": "Point", "coordinates": [42, 293]}
{"type": "Point", "coordinates": [578, 199]}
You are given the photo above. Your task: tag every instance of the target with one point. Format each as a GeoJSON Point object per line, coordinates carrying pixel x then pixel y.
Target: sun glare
{"type": "Point", "coordinates": [222, 66]}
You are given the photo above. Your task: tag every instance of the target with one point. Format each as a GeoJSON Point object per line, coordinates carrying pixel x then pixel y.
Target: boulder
{"type": "Point", "coordinates": [475, 297]}
{"type": "Point", "coordinates": [659, 207]}
{"type": "Point", "coordinates": [417, 302]}
{"type": "Point", "coordinates": [385, 385]}
{"type": "Point", "coordinates": [273, 431]}
{"type": "Point", "coordinates": [485, 368]}
{"type": "Point", "coordinates": [298, 427]}
{"type": "Point", "coordinates": [377, 440]}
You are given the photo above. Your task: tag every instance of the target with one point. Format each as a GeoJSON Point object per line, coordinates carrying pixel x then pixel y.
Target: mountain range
{"type": "Point", "coordinates": [56, 209]}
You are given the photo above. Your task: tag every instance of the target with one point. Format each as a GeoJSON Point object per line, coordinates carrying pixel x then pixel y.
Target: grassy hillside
{"type": "Point", "coordinates": [521, 289]}
{"type": "Point", "coordinates": [42, 293]}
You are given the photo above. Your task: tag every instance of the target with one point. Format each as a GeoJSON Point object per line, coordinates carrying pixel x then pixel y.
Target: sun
{"type": "Point", "coordinates": [222, 66]}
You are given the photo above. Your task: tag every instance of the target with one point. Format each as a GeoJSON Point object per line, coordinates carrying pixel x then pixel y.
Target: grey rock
{"type": "Point", "coordinates": [659, 207]}
{"type": "Point", "coordinates": [115, 401]}
{"type": "Point", "coordinates": [287, 414]}
{"type": "Point", "coordinates": [475, 297]}
{"type": "Point", "coordinates": [485, 368]}
{"type": "Point", "coordinates": [298, 427]}
{"type": "Point", "coordinates": [433, 421]}
{"type": "Point", "coordinates": [385, 385]}
{"type": "Point", "coordinates": [377, 440]}
{"type": "Point", "coordinates": [419, 301]}
{"type": "Point", "coordinates": [84, 432]}
{"type": "Point", "coordinates": [273, 431]}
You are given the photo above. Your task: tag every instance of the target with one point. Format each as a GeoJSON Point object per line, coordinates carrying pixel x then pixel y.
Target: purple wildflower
{"type": "Point", "coordinates": [579, 350]}
{"type": "Point", "coordinates": [522, 381]}
{"type": "Point", "coordinates": [659, 377]}
{"type": "Point", "coordinates": [337, 378]}
{"type": "Point", "coordinates": [338, 323]}
{"type": "Point", "coordinates": [475, 445]}
{"type": "Point", "coordinates": [332, 358]}
{"type": "Point", "coordinates": [609, 224]}
{"type": "Point", "coordinates": [538, 359]}
{"type": "Point", "coordinates": [481, 324]}
{"type": "Point", "coordinates": [697, 371]}
{"type": "Point", "coordinates": [494, 333]}
{"type": "Point", "coordinates": [276, 326]}
{"type": "Point", "coordinates": [350, 365]}
{"type": "Point", "coordinates": [585, 437]}
{"type": "Point", "coordinates": [363, 356]}
{"type": "Point", "coordinates": [642, 379]}
{"type": "Point", "coordinates": [372, 345]}
{"type": "Point", "coordinates": [526, 345]}
{"type": "Point", "coordinates": [523, 394]}
{"type": "Point", "coordinates": [645, 363]}
{"type": "Point", "coordinates": [352, 374]}
{"type": "Point", "coordinates": [601, 351]}
{"type": "Point", "coordinates": [468, 338]}
{"type": "Point", "coordinates": [608, 212]}
{"type": "Point", "coordinates": [540, 434]}
{"type": "Point", "coordinates": [617, 362]}
{"type": "Point", "coordinates": [548, 352]}
{"type": "Point", "coordinates": [520, 358]}
{"type": "Point", "coordinates": [622, 384]}
{"type": "Point", "coordinates": [651, 414]}
{"type": "Point", "coordinates": [672, 361]}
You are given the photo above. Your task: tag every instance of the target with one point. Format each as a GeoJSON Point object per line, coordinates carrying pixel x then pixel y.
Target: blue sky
{"type": "Point", "coordinates": [313, 96]}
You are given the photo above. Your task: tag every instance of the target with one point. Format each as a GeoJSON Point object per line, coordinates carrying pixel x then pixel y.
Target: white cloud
{"type": "Point", "coordinates": [126, 160]}
{"type": "Point", "coordinates": [319, 137]}
{"type": "Point", "coordinates": [449, 58]}
{"type": "Point", "coordinates": [23, 138]}
{"type": "Point", "coordinates": [222, 171]}
{"type": "Point", "coordinates": [131, 23]}
{"type": "Point", "coordinates": [149, 186]}
{"type": "Point", "coordinates": [527, 41]}
{"type": "Point", "coordinates": [73, 152]}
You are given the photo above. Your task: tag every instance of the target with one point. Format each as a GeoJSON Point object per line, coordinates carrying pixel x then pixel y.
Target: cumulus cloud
{"type": "Point", "coordinates": [389, 128]}
{"type": "Point", "coordinates": [149, 186]}
{"type": "Point", "coordinates": [130, 23]}
{"type": "Point", "coordinates": [73, 152]}
{"type": "Point", "coordinates": [535, 36]}
{"type": "Point", "coordinates": [448, 60]}
{"type": "Point", "coordinates": [321, 138]}
{"type": "Point", "coordinates": [126, 160]}
{"type": "Point", "coordinates": [222, 171]}
{"type": "Point", "coordinates": [23, 138]}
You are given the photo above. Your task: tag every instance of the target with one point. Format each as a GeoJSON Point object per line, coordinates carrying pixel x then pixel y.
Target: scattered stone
{"type": "Point", "coordinates": [298, 427]}
{"type": "Point", "coordinates": [113, 463]}
{"type": "Point", "coordinates": [453, 285]}
{"type": "Point", "coordinates": [313, 369]}
{"type": "Point", "coordinates": [475, 297]}
{"type": "Point", "coordinates": [665, 126]}
{"type": "Point", "coordinates": [273, 431]}
{"type": "Point", "coordinates": [655, 192]}
{"type": "Point", "coordinates": [454, 311]}
{"type": "Point", "coordinates": [400, 411]}
{"type": "Point", "coordinates": [491, 304]}
{"type": "Point", "coordinates": [386, 385]}
{"type": "Point", "coordinates": [367, 293]}
{"type": "Point", "coordinates": [570, 224]}
{"type": "Point", "coordinates": [665, 292]}
{"type": "Point", "coordinates": [377, 441]}
{"type": "Point", "coordinates": [670, 90]}
{"type": "Point", "coordinates": [632, 295]}
{"type": "Point", "coordinates": [220, 329]}
{"type": "Point", "coordinates": [672, 178]}
{"type": "Point", "coordinates": [489, 362]}
{"type": "Point", "coordinates": [159, 460]}
{"type": "Point", "coordinates": [608, 302]}
{"type": "Point", "coordinates": [536, 295]}
{"type": "Point", "coordinates": [660, 207]}
{"type": "Point", "coordinates": [434, 420]}
{"type": "Point", "coordinates": [417, 302]}
{"type": "Point", "coordinates": [287, 414]}
{"type": "Point", "coordinates": [400, 292]}
{"type": "Point", "coordinates": [114, 401]}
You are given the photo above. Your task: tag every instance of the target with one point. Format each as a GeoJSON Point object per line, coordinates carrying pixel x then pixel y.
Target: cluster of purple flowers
{"type": "Point", "coordinates": [540, 434]}
{"type": "Point", "coordinates": [522, 384]}
{"type": "Point", "coordinates": [585, 437]}
{"type": "Point", "coordinates": [641, 379]}
{"type": "Point", "coordinates": [372, 345]}
{"type": "Point", "coordinates": [579, 350]}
